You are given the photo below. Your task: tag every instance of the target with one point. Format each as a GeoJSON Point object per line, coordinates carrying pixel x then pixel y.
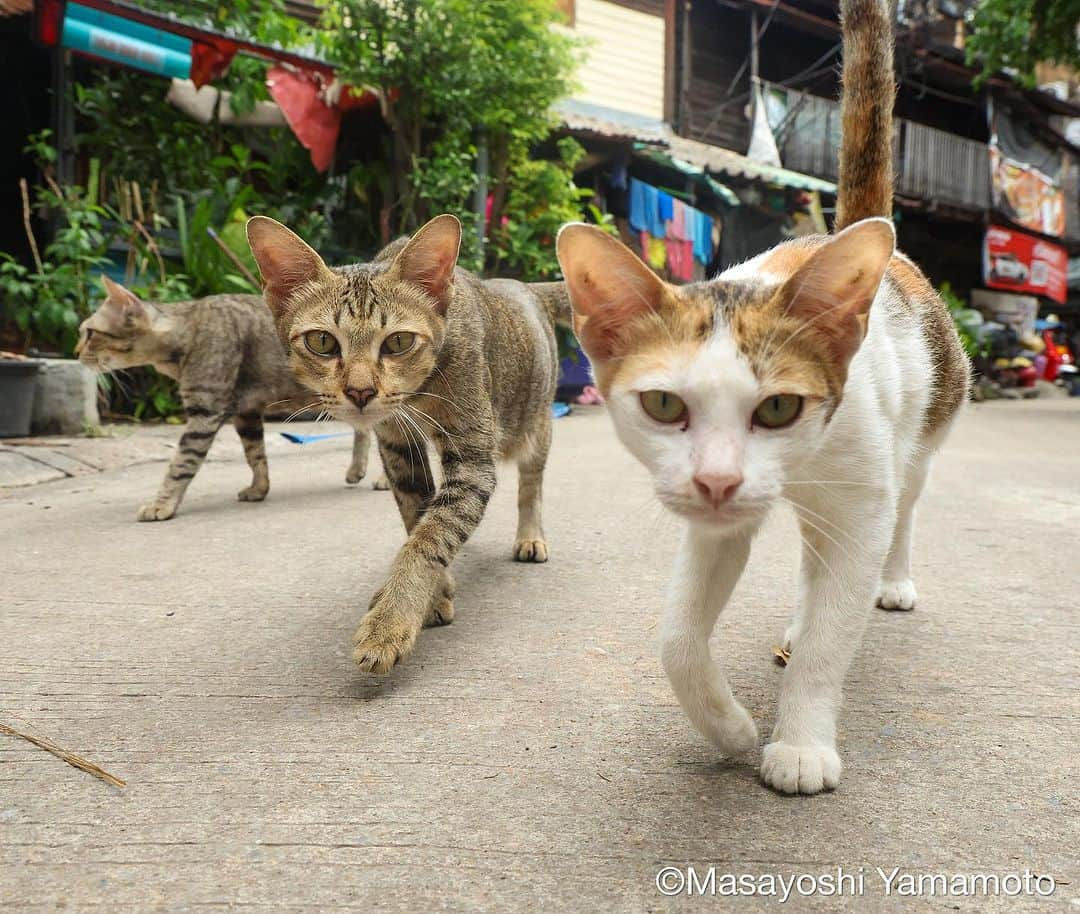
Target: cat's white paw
{"type": "Point", "coordinates": [800, 769]}
{"type": "Point", "coordinates": [897, 595]}
{"type": "Point", "coordinates": [382, 483]}
{"type": "Point", "coordinates": [733, 732]}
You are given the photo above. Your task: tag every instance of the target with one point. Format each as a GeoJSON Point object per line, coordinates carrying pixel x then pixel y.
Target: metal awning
{"type": "Point", "coordinates": [610, 123]}
{"type": "Point", "coordinates": [655, 139]}
{"type": "Point", "coordinates": [726, 162]}
{"type": "Point", "coordinates": [662, 157]}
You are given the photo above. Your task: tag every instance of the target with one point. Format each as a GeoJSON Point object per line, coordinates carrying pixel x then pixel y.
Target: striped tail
{"type": "Point", "coordinates": [865, 186]}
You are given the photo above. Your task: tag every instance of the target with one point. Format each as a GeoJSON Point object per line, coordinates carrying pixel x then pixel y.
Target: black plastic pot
{"type": "Point", "coordinates": [16, 396]}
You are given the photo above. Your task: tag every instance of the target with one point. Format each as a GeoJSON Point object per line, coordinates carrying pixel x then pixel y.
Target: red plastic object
{"type": "Point", "coordinates": [1056, 356]}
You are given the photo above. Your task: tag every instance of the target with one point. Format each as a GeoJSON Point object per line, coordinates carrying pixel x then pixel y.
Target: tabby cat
{"type": "Point", "coordinates": [420, 350]}
{"type": "Point", "coordinates": [228, 361]}
{"type": "Point", "coordinates": [823, 373]}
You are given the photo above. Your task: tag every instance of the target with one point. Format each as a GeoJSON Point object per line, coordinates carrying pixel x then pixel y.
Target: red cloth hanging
{"type": "Point", "coordinates": [316, 125]}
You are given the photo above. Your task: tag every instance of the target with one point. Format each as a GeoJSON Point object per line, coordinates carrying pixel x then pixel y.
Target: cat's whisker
{"type": "Point", "coordinates": [821, 517]}
{"type": "Point", "coordinates": [449, 387]}
{"type": "Point", "coordinates": [408, 441]}
{"type": "Point", "coordinates": [425, 393]}
{"type": "Point", "coordinates": [821, 532]}
{"type": "Point", "coordinates": [832, 482]}
{"type": "Point", "coordinates": [449, 436]}
{"type": "Point", "coordinates": [421, 450]}
{"type": "Point", "coordinates": [824, 564]}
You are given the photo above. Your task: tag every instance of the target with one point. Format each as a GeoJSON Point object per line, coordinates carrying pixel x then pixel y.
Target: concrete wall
{"type": "Point", "coordinates": [65, 398]}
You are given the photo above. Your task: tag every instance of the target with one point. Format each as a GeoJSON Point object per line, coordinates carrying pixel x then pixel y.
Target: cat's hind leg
{"type": "Point", "coordinates": [706, 571]}
{"type": "Point", "coordinates": [897, 590]}
{"type": "Point", "coordinates": [249, 426]}
{"type": "Point", "coordinates": [360, 448]}
{"type": "Point", "coordinates": [530, 545]}
{"type": "Point", "coordinates": [358, 468]}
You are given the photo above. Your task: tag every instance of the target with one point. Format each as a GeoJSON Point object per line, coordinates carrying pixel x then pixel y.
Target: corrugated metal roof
{"type": "Point", "coordinates": [610, 122]}
{"type": "Point", "coordinates": [724, 161]}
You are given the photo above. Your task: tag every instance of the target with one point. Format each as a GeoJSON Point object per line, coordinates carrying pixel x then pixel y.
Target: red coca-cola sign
{"type": "Point", "coordinates": [1018, 262]}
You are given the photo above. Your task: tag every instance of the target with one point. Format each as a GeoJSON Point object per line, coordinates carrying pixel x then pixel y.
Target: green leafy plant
{"type": "Point", "coordinates": [47, 303]}
{"type": "Point", "coordinates": [207, 269]}
{"type": "Point", "coordinates": [543, 197]}
{"type": "Point", "coordinates": [966, 320]}
{"type": "Point", "coordinates": [1019, 34]}
{"type": "Point", "coordinates": [450, 74]}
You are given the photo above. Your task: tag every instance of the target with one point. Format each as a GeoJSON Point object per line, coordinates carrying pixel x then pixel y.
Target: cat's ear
{"type": "Point", "coordinates": [121, 302]}
{"type": "Point", "coordinates": [834, 289]}
{"type": "Point", "coordinates": [429, 258]}
{"type": "Point", "coordinates": [286, 262]}
{"type": "Point", "coordinates": [608, 285]}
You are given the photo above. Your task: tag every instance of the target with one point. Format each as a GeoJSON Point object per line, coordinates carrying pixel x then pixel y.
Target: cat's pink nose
{"type": "Point", "coordinates": [360, 398]}
{"type": "Point", "coordinates": [717, 488]}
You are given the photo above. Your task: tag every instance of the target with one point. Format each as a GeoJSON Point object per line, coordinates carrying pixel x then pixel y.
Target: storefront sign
{"type": "Point", "coordinates": [1018, 262]}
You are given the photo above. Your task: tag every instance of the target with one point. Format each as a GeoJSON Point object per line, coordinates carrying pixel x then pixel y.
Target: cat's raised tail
{"type": "Point", "coordinates": [865, 185]}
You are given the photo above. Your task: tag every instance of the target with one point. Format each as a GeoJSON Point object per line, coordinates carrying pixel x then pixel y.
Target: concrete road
{"type": "Point", "coordinates": [529, 757]}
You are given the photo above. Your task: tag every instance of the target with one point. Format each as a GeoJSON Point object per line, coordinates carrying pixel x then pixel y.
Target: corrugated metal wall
{"type": "Point", "coordinates": [930, 163]}
{"type": "Point", "coordinates": [939, 166]}
{"type": "Point", "coordinates": [624, 66]}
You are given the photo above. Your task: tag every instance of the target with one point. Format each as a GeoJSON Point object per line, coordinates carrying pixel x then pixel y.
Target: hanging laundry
{"type": "Point", "coordinates": [678, 220]}
{"type": "Point", "coordinates": [703, 238]}
{"type": "Point", "coordinates": [664, 202]}
{"type": "Point", "coordinates": [645, 208]}
{"type": "Point", "coordinates": [673, 233]}
{"type": "Point", "coordinates": [654, 251]}
{"type": "Point", "coordinates": [680, 259]}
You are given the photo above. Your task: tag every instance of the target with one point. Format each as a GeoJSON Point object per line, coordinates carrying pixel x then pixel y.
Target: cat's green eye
{"type": "Point", "coordinates": [321, 343]}
{"type": "Point", "coordinates": [778, 410]}
{"type": "Point", "coordinates": [398, 343]}
{"type": "Point", "coordinates": [663, 406]}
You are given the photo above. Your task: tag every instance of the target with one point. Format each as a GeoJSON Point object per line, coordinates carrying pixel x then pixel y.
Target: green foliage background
{"type": "Point", "coordinates": [450, 76]}
{"type": "Point", "coordinates": [1018, 34]}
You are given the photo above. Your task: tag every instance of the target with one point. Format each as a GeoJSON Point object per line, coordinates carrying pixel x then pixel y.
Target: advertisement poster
{"type": "Point", "coordinates": [1018, 262]}
{"type": "Point", "coordinates": [1026, 196]}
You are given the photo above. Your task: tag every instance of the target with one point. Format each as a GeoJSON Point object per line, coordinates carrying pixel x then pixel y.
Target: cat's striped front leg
{"type": "Point", "coordinates": [203, 424]}
{"type": "Point", "coordinates": [419, 582]}
{"type": "Point", "coordinates": [706, 570]}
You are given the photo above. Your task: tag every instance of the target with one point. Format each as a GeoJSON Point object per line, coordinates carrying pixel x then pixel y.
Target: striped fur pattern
{"type": "Point", "coordinates": [423, 352]}
{"type": "Point", "coordinates": [822, 374]}
{"type": "Point", "coordinates": [228, 362]}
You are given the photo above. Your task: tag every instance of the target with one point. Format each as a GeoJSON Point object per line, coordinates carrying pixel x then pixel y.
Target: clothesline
{"type": "Point", "coordinates": [673, 233]}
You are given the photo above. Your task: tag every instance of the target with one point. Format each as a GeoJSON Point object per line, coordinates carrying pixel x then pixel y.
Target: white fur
{"type": "Point", "coordinates": [853, 483]}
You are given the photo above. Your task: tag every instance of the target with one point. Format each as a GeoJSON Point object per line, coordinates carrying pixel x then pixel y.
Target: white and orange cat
{"type": "Point", "coordinates": [823, 373]}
